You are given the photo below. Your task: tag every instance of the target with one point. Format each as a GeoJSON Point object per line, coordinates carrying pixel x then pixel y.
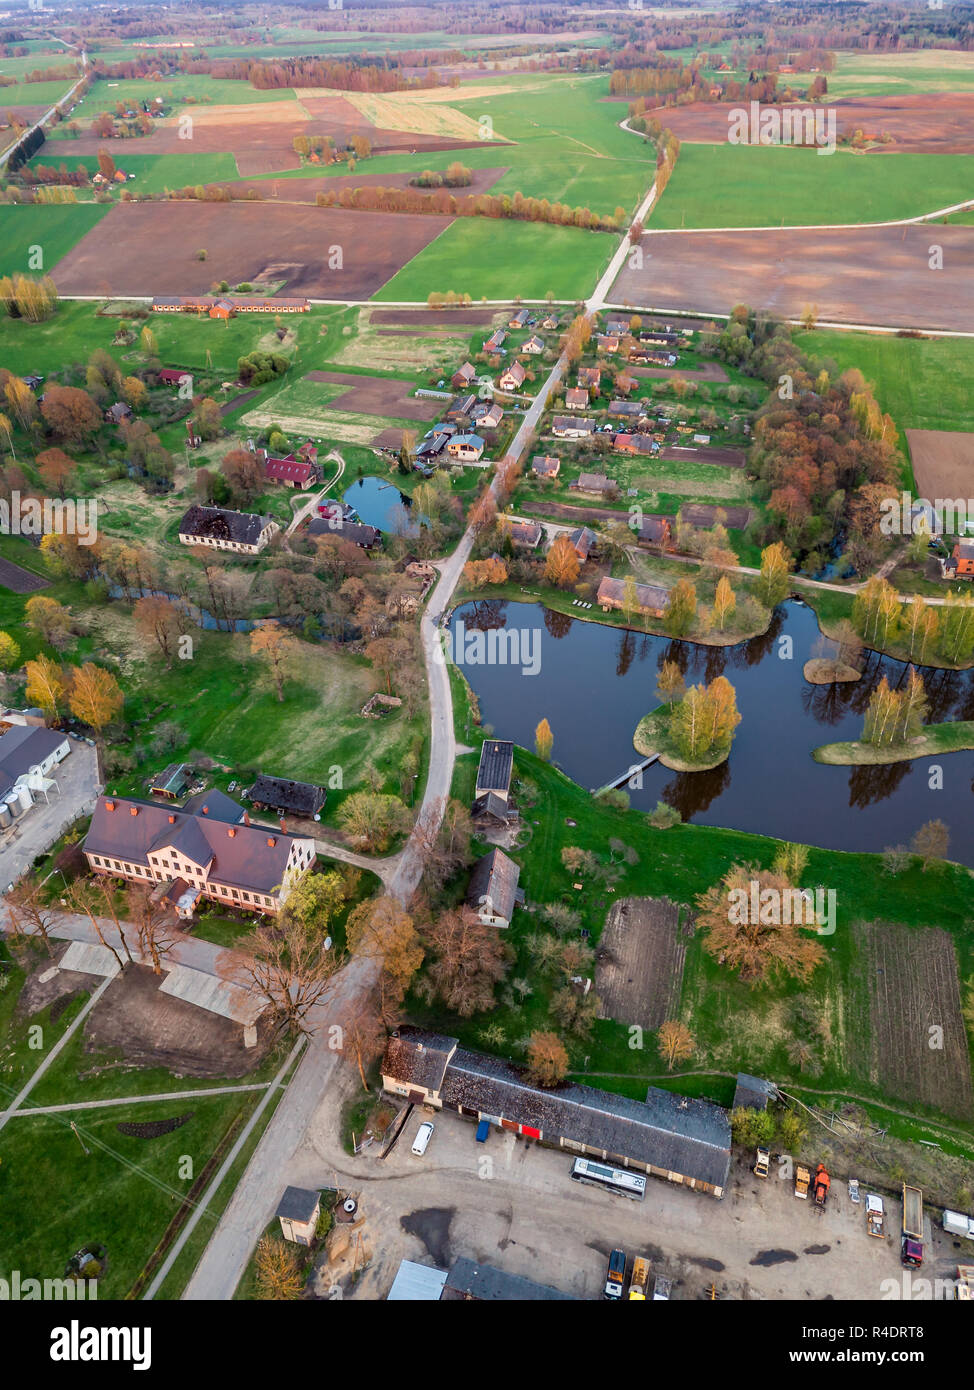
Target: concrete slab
{"type": "Point", "coordinates": [89, 958]}
{"type": "Point", "coordinates": [209, 992]}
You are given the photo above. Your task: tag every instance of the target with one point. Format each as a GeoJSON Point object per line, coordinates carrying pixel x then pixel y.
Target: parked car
{"type": "Point", "coordinates": [615, 1275]}
{"type": "Point", "coordinates": [423, 1136]}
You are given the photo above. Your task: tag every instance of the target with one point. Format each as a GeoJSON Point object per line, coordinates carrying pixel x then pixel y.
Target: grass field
{"type": "Point", "coordinates": [873, 74]}
{"type": "Point", "coordinates": [154, 173]}
{"type": "Point", "coordinates": [924, 383]}
{"type": "Point", "coordinates": [473, 256]}
{"type": "Point", "coordinates": [784, 187]}
{"type": "Point", "coordinates": [176, 92]}
{"type": "Point", "coordinates": [55, 229]}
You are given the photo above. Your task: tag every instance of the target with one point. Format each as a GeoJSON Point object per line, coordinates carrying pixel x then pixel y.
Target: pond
{"type": "Point", "coordinates": [379, 503]}
{"type": "Point", "coordinates": [594, 683]}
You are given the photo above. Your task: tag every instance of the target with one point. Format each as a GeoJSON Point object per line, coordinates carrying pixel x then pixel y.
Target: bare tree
{"type": "Point", "coordinates": [287, 966]}
{"type": "Point", "coordinates": [152, 922]}
{"type": "Point", "coordinates": [29, 914]}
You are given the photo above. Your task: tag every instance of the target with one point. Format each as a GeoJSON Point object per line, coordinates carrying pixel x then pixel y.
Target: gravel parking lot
{"type": "Point", "coordinates": [511, 1203]}
{"type": "Point", "coordinates": [38, 828]}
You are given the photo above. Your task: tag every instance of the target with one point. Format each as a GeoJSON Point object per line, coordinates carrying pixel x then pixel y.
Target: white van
{"type": "Point", "coordinates": [423, 1136]}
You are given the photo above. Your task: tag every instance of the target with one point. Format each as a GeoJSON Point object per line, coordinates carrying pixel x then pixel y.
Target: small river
{"type": "Point", "coordinates": [594, 684]}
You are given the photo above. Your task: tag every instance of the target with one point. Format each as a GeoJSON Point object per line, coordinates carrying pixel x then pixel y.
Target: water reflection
{"type": "Point", "coordinates": [596, 682]}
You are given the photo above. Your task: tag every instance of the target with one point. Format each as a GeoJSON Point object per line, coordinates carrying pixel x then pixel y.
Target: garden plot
{"type": "Point", "coordinates": [309, 407]}
{"type": "Point", "coordinates": [943, 463]}
{"type": "Point", "coordinates": [915, 1045]}
{"type": "Point", "coordinates": [639, 969]}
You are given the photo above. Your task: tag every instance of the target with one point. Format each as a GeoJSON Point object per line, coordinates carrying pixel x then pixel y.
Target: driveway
{"type": "Point", "coordinates": [37, 829]}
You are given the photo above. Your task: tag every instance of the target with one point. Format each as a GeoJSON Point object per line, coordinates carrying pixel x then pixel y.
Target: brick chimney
{"type": "Point", "coordinates": [272, 840]}
{"type": "Point", "coordinates": [246, 818]}
{"type": "Point", "coordinates": [133, 810]}
{"type": "Point", "coordinates": [231, 831]}
{"type": "Point", "coordinates": [172, 820]}
{"type": "Point", "coordinates": [109, 805]}
{"type": "Point", "coordinates": [283, 825]}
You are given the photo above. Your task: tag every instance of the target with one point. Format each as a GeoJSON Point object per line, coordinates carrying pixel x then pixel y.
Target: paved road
{"type": "Point", "coordinates": [68, 96]}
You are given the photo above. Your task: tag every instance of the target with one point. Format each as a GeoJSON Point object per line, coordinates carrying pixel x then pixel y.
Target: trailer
{"type": "Point", "coordinates": [875, 1215]}
{"type": "Point", "coordinates": [911, 1245]}
{"type": "Point", "coordinates": [762, 1163]}
{"type": "Point", "coordinates": [802, 1178]}
{"type": "Point", "coordinates": [639, 1280]}
{"type": "Point", "coordinates": [956, 1224]}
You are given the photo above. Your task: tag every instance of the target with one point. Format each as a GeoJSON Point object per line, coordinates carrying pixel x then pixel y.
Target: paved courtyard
{"type": "Point", "coordinates": [37, 829]}
{"type": "Point", "coordinates": [512, 1204]}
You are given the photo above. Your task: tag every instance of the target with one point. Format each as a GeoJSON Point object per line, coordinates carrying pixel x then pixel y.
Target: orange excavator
{"type": "Point", "coordinates": [821, 1185]}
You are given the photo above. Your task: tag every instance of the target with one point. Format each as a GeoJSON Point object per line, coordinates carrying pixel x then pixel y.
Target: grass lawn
{"type": "Point", "coordinates": [477, 257]}
{"type": "Point", "coordinates": [783, 187]}
{"type": "Point", "coordinates": [861, 74]}
{"type": "Point", "coordinates": [924, 383]}
{"type": "Point", "coordinates": [951, 737]}
{"type": "Point", "coordinates": [122, 1193]}
{"type": "Point", "coordinates": [176, 92]}
{"type": "Point", "coordinates": [54, 227]}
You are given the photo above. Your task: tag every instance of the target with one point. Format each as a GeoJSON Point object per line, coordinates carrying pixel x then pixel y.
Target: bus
{"type": "Point", "coordinates": [618, 1181]}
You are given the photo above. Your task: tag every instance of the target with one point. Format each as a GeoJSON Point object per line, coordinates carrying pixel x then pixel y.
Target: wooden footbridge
{"type": "Point", "coordinates": [625, 776]}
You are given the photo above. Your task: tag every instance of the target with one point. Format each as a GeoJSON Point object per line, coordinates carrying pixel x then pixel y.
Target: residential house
{"type": "Point", "coordinates": [463, 376]}
{"type": "Point", "coordinates": [512, 377]}
{"type": "Point", "coordinates": [194, 855]}
{"type": "Point", "coordinates": [629, 410]}
{"type": "Point", "coordinates": [492, 890]}
{"type": "Point", "coordinates": [677, 1138]}
{"type": "Point", "coordinates": [430, 448]}
{"type": "Point", "coordinates": [245, 533]}
{"type": "Point", "coordinates": [643, 444]}
{"type": "Point", "coordinates": [520, 319]}
{"type": "Point", "coordinates": [550, 323]}
{"type": "Point", "coordinates": [617, 325]}
{"type": "Point", "coordinates": [607, 342]}
{"type": "Point", "coordinates": [291, 470]}
{"type": "Point", "coordinates": [496, 767]}
{"type": "Point", "coordinates": [572, 427]}
{"type": "Point", "coordinates": [365, 537]}
{"type": "Point", "coordinates": [590, 378]}
{"type": "Point", "coordinates": [495, 341]}
{"type": "Point", "coordinates": [656, 531]}
{"type": "Point", "coordinates": [662, 337]}
{"type": "Point", "coordinates": [298, 1212]}
{"type": "Point", "coordinates": [118, 412]}
{"type": "Point", "coordinates": [466, 448]}
{"type": "Point", "coordinates": [534, 345]}
{"type": "Point", "coordinates": [960, 564]}
{"type": "Point", "coordinates": [173, 376]}
{"type": "Point", "coordinates": [487, 415]}
{"type": "Point", "coordinates": [651, 599]}
{"type": "Point", "coordinates": [576, 398]}
{"type": "Point", "coordinates": [285, 796]}
{"type": "Point", "coordinates": [584, 542]}
{"type": "Point", "coordinates": [545, 465]}
{"type": "Point", "coordinates": [460, 407]}
{"type": "Point", "coordinates": [525, 535]}
{"type": "Point", "coordinates": [597, 484]}
{"type": "Point", "coordinates": [625, 383]}
{"type": "Point", "coordinates": [492, 812]}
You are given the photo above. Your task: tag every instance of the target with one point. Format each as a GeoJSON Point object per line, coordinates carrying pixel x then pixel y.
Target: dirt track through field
{"type": "Point", "coordinates": [639, 969]}
{"type": "Point", "coordinates": [867, 275]}
{"type": "Point", "coordinates": [943, 463]}
{"type": "Point", "coordinates": [151, 248]}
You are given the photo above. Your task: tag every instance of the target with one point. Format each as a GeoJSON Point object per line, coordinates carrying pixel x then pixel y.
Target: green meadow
{"type": "Point", "coordinates": [55, 228]}
{"type": "Point", "coordinates": [154, 173]}
{"type": "Point", "coordinates": [924, 383]}
{"type": "Point", "coordinates": [776, 186]}
{"type": "Point", "coordinates": [489, 260]}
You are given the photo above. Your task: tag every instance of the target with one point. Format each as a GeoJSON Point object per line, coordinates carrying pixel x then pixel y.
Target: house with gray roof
{"type": "Point", "coordinates": [493, 891]}
{"type": "Point", "coordinates": [678, 1138]}
{"type": "Point", "coordinates": [245, 533]}
{"type": "Point", "coordinates": [28, 755]}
